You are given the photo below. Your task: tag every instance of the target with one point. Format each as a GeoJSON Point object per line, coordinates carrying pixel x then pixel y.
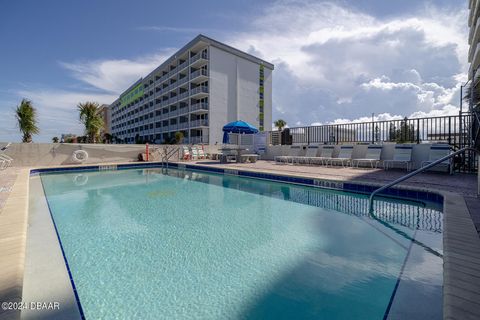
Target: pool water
{"type": "Point", "coordinates": [178, 244]}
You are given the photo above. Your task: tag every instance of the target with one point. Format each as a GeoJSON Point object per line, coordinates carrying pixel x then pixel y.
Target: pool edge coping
{"type": "Point", "coordinates": [460, 261]}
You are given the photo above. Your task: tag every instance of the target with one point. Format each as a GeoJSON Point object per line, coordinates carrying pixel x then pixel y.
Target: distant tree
{"type": "Point", "coordinates": [91, 117]}
{"type": "Point", "coordinates": [26, 116]}
{"type": "Point", "coordinates": [107, 138]}
{"type": "Point", "coordinates": [178, 137]}
{"type": "Point", "coordinates": [280, 124]}
{"type": "Point", "coordinates": [405, 133]}
{"type": "Point", "coordinates": [55, 139]}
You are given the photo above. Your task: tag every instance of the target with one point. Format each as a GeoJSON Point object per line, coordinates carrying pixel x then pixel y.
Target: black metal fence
{"type": "Point", "coordinates": [454, 130]}
{"type": "Point", "coordinates": [448, 129]}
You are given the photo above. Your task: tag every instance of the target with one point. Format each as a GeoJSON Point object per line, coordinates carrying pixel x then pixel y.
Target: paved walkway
{"type": "Point", "coordinates": [465, 184]}
{"type": "Point", "coordinates": [7, 179]}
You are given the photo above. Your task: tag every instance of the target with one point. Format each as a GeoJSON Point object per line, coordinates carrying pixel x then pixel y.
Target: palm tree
{"type": "Point", "coordinates": [178, 137]}
{"type": "Point", "coordinates": [55, 139]}
{"type": "Point", "coordinates": [91, 118]}
{"type": "Point", "coordinates": [280, 124]}
{"type": "Point", "coordinates": [27, 120]}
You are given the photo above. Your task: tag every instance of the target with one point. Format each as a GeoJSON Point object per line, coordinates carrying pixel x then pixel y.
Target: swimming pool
{"type": "Point", "coordinates": [176, 244]}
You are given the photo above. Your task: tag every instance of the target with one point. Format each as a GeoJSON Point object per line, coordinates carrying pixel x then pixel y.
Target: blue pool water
{"type": "Point", "coordinates": [152, 244]}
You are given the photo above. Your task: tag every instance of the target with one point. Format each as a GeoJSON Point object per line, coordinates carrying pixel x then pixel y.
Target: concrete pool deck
{"type": "Point", "coordinates": [461, 241]}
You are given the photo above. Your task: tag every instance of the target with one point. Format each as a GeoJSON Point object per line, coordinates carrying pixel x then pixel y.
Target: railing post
{"type": "Point", "coordinates": [418, 131]}
{"type": "Point", "coordinates": [450, 130]}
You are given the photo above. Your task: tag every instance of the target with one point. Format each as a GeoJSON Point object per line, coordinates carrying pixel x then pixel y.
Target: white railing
{"type": "Point", "coordinates": [199, 123]}
{"type": "Point", "coordinates": [200, 89]}
{"type": "Point", "coordinates": [200, 72]}
{"type": "Point", "coordinates": [199, 106]}
{"type": "Point", "coordinates": [199, 139]}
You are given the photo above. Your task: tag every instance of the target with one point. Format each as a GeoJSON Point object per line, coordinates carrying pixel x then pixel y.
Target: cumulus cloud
{"type": "Point", "coordinates": [333, 62]}
{"type": "Point", "coordinates": [114, 76]}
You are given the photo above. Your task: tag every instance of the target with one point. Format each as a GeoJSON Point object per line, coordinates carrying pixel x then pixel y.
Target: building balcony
{"type": "Point", "coordinates": [198, 57]}
{"type": "Point", "coordinates": [183, 110]}
{"type": "Point", "coordinates": [476, 57]}
{"type": "Point", "coordinates": [182, 81]}
{"type": "Point", "coordinates": [172, 127]}
{"type": "Point", "coordinates": [200, 74]}
{"type": "Point", "coordinates": [199, 90]}
{"type": "Point", "coordinates": [198, 139]}
{"type": "Point", "coordinates": [183, 95]}
{"type": "Point", "coordinates": [199, 123]}
{"type": "Point", "coordinates": [183, 125]}
{"type": "Point", "coordinates": [200, 106]}
{"type": "Point", "coordinates": [474, 40]}
{"type": "Point", "coordinates": [182, 65]}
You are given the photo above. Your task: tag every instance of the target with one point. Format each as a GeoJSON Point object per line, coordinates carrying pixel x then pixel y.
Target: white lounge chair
{"type": "Point", "coordinates": [186, 153]}
{"type": "Point", "coordinates": [438, 151]}
{"type": "Point", "coordinates": [326, 153]}
{"type": "Point", "coordinates": [402, 155]}
{"type": "Point", "coordinates": [373, 156]}
{"type": "Point", "coordinates": [312, 151]}
{"type": "Point", "coordinates": [194, 153]}
{"type": "Point", "coordinates": [293, 152]}
{"type": "Point", "coordinates": [4, 158]}
{"type": "Point", "coordinates": [201, 152]}
{"type": "Point", "coordinates": [344, 157]}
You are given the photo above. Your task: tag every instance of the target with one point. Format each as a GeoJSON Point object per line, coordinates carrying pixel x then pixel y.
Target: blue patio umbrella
{"type": "Point", "coordinates": [237, 127]}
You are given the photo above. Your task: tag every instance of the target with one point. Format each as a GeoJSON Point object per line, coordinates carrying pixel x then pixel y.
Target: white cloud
{"type": "Point", "coordinates": [114, 76]}
{"type": "Point", "coordinates": [333, 62]}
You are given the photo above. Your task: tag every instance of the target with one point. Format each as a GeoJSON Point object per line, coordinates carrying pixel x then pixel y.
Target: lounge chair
{"type": "Point", "coordinates": [4, 158]}
{"type": "Point", "coordinates": [438, 151]}
{"type": "Point", "coordinates": [201, 152]}
{"type": "Point", "coordinates": [402, 155]}
{"type": "Point", "coordinates": [373, 156]}
{"type": "Point", "coordinates": [186, 153]}
{"type": "Point", "coordinates": [326, 153]}
{"type": "Point", "coordinates": [248, 157]}
{"type": "Point", "coordinates": [293, 152]}
{"type": "Point", "coordinates": [310, 154]}
{"type": "Point", "coordinates": [344, 157]}
{"type": "Point", "coordinates": [194, 155]}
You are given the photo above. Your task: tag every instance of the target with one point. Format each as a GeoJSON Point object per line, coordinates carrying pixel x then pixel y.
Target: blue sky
{"type": "Point", "coordinates": [336, 61]}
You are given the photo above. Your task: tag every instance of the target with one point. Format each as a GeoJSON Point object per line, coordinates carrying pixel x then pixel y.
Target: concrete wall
{"type": "Point", "coordinates": [48, 154]}
{"type": "Point", "coordinates": [420, 152]}
{"type": "Point", "coordinates": [234, 92]}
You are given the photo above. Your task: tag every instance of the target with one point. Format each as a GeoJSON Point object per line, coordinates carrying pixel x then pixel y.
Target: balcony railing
{"type": "Point", "coordinates": [199, 89]}
{"type": "Point", "coordinates": [183, 95]}
{"type": "Point", "coordinates": [198, 139]}
{"type": "Point", "coordinates": [199, 56]}
{"type": "Point", "coordinates": [199, 123]}
{"type": "Point", "coordinates": [182, 65]}
{"type": "Point", "coordinates": [199, 106]}
{"type": "Point", "coordinates": [183, 125]}
{"type": "Point", "coordinates": [183, 110]}
{"type": "Point", "coordinates": [200, 72]}
{"type": "Point", "coordinates": [182, 81]}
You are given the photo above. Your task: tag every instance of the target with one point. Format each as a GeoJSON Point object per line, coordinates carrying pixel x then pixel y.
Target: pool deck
{"type": "Point", "coordinates": [461, 237]}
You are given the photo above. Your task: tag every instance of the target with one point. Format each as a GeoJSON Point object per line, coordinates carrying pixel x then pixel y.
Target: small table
{"type": "Point", "coordinates": [224, 157]}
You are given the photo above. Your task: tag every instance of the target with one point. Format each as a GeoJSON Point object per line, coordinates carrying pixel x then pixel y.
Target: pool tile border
{"type": "Point", "coordinates": [461, 262]}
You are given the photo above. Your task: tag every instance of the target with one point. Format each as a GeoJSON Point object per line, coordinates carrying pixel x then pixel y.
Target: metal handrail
{"type": "Point", "coordinates": [408, 176]}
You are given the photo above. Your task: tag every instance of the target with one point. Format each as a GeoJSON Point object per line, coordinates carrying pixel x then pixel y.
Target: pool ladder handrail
{"type": "Point", "coordinates": [414, 173]}
{"type": "Point", "coordinates": [167, 154]}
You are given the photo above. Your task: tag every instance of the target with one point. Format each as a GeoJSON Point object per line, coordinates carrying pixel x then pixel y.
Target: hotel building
{"type": "Point", "coordinates": [198, 90]}
{"type": "Point", "coordinates": [474, 39]}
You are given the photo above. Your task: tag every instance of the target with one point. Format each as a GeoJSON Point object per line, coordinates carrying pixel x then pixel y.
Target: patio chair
{"type": "Point", "coordinates": [344, 157]}
{"type": "Point", "coordinates": [326, 154]}
{"type": "Point", "coordinates": [401, 155]}
{"type": "Point", "coordinates": [201, 152]}
{"type": "Point", "coordinates": [6, 160]}
{"type": "Point", "coordinates": [293, 152]}
{"type": "Point", "coordinates": [373, 156]}
{"type": "Point", "coordinates": [186, 155]}
{"type": "Point", "coordinates": [194, 155]}
{"type": "Point", "coordinates": [438, 151]}
{"type": "Point", "coordinates": [311, 153]}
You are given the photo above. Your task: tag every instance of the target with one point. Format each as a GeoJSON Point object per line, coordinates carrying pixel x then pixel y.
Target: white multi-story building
{"type": "Point", "coordinates": [198, 90]}
{"type": "Point", "coordinates": [474, 39]}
